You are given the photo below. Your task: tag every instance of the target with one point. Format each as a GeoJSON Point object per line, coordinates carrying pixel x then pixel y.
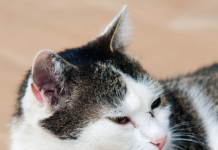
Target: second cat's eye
{"type": "Point", "coordinates": [156, 103]}
{"type": "Point", "coordinates": [119, 120]}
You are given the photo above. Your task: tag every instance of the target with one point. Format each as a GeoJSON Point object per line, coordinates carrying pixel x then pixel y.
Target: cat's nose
{"type": "Point", "coordinates": [159, 142]}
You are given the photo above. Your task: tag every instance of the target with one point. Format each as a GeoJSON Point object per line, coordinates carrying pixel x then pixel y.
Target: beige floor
{"type": "Point", "coordinates": [171, 37]}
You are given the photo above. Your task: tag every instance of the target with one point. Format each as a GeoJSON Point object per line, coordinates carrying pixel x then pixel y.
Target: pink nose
{"type": "Point", "coordinates": [159, 142]}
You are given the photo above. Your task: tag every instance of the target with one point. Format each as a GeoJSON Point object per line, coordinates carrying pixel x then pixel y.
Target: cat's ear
{"type": "Point", "coordinates": [48, 72]}
{"type": "Point", "coordinates": [117, 33]}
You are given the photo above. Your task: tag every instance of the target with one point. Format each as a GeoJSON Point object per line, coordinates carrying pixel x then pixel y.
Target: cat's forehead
{"type": "Point", "coordinates": [99, 79]}
{"type": "Point", "coordinates": [141, 92]}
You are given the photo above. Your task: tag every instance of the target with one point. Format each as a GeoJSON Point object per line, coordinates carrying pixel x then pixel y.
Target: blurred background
{"type": "Point", "coordinates": [171, 37]}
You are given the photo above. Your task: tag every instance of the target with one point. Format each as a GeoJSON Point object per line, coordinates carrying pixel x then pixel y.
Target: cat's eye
{"type": "Point", "coordinates": [119, 120]}
{"type": "Point", "coordinates": [156, 103]}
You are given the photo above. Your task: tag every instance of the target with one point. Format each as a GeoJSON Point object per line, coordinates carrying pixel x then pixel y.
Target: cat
{"type": "Point", "coordinates": [98, 97]}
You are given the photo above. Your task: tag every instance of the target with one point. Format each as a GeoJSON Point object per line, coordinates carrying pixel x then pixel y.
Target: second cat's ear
{"type": "Point", "coordinates": [117, 33]}
{"type": "Point", "coordinates": [48, 72]}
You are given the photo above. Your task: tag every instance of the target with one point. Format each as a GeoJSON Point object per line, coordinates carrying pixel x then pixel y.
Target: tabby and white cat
{"type": "Point", "coordinates": [98, 97]}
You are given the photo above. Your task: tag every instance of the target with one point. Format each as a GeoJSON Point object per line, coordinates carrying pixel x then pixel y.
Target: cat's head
{"type": "Point", "coordinates": [95, 97]}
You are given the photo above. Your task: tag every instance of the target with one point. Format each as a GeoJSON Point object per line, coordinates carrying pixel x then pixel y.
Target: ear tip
{"type": "Point", "coordinates": [124, 9]}
{"type": "Point", "coordinates": [42, 54]}
{"type": "Point", "coordinates": [125, 6]}
{"type": "Point", "coordinates": [44, 51]}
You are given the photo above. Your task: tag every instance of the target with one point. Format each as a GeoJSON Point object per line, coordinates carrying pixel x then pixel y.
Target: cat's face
{"type": "Point", "coordinates": [129, 125]}
{"type": "Point", "coordinates": [97, 98]}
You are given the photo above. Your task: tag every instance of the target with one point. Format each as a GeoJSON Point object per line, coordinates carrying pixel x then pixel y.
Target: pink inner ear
{"type": "Point", "coordinates": [37, 94]}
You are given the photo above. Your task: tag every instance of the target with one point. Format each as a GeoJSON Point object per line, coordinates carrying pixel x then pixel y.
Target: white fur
{"type": "Point", "coordinates": [206, 112]}
{"type": "Point", "coordinates": [28, 129]}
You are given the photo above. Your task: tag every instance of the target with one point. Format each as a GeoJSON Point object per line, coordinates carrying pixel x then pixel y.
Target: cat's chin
{"type": "Point", "coordinates": [155, 147]}
{"type": "Point", "coordinates": [148, 146]}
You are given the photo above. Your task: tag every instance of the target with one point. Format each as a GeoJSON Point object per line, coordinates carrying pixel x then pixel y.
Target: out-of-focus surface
{"type": "Point", "coordinates": [171, 37]}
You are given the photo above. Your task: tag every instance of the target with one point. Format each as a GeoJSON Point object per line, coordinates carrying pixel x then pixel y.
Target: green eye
{"type": "Point", "coordinates": [119, 120]}
{"type": "Point", "coordinates": [156, 103]}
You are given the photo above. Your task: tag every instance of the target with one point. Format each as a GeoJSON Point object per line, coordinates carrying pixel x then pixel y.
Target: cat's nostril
{"type": "Point", "coordinates": [159, 142]}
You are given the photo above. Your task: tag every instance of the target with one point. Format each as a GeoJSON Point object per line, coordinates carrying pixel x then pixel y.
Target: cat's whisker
{"type": "Point", "coordinates": [186, 135]}
{"type": "Point", "coordinates": [166, 74]}
{"type": "Point", "coordinates": [182, 130]}
{"type": "Point", "coordinates": [177, 146]}
{"type": "Point", "coordinates": [176, 130]}
{"type": "Point", "coordinates": [191, 140]}
{"type": "Point", "coordinates": [180, 124]}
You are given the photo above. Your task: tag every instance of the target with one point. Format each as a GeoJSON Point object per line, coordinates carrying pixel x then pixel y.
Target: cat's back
{"type": "Point", "coordinates": [194, 105]}
{"type": "Point", "coordinates": [204, 81]}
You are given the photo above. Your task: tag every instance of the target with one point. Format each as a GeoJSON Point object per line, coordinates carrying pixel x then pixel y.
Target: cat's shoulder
{"type": "Point", "coordinates": [202, 77]}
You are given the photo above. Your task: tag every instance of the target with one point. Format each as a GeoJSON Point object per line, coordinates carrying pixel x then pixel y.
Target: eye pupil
{"type": "Point", "coordinates": [119, 120]}
{"type": "Point", "coordinates": [156, 103]}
